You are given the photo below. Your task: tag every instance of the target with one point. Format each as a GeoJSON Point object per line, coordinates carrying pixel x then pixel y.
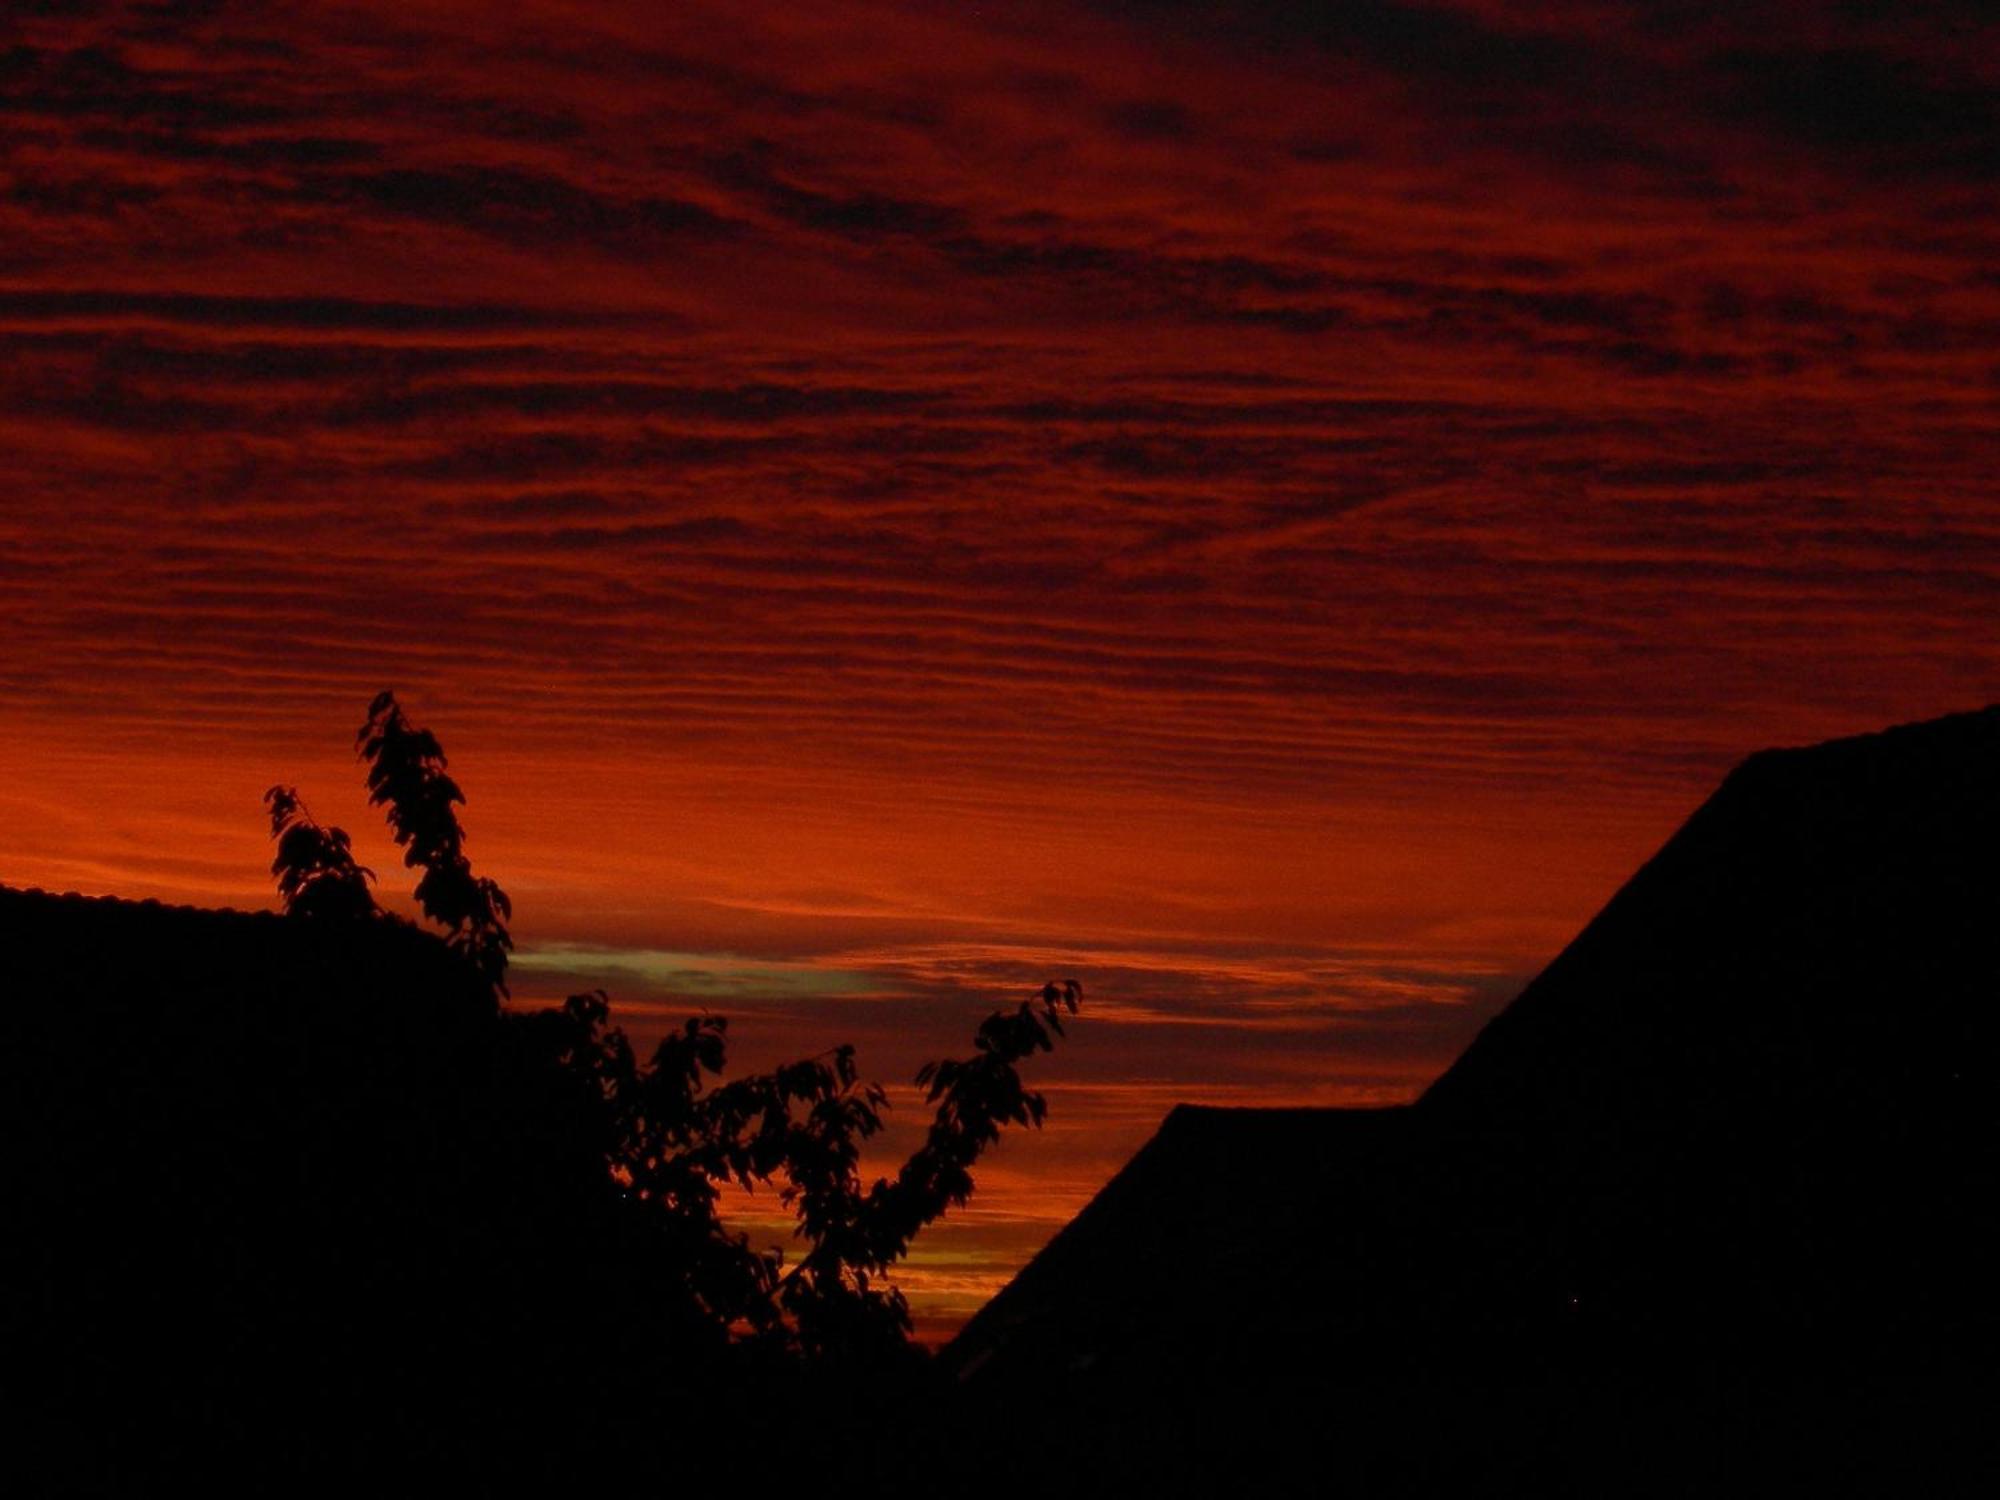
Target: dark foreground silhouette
{"type": "Point", "coordinates": [1713, 1200]}
{"type": "Point", "coordinates": [660, 1140]}
{"type": "Point", "coordinates": [307, 1208]}
{"type": "Point", "coordinates": [297, 1213]}
{"type": "Point", "coordinates": [302, 1210]}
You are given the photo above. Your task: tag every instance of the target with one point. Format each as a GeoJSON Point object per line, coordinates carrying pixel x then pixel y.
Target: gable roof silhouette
{"type": "Point", "coordinates": [1746, 1119]}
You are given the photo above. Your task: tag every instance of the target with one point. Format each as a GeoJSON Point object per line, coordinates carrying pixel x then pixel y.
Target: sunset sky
{"type": "Point", "coordinates": [1270, 509]}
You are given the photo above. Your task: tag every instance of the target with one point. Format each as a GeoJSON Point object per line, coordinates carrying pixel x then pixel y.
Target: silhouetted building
{"type": "Point", "coordinates": [294, 1206]}
{"type": "Point", "coordinates": [1727, 1165]}
{"type": "Point", "coordinates": [287, 1205]}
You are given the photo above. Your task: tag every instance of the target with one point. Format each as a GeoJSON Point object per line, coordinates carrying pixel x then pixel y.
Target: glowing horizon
{"type": "Point", "coordinates": [1272, 511]}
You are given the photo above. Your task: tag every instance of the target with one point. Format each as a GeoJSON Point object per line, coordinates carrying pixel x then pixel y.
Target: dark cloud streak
{"type": "Point", "coordinates": [1276, 506]}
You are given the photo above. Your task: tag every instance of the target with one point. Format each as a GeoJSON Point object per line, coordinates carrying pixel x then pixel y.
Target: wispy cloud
{"type": "Point", "coordinates": [1274, 508]}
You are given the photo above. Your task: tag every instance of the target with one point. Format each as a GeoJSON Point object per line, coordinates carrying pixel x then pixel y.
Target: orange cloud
{"type": "Point", "coordinates": [1271, 509]}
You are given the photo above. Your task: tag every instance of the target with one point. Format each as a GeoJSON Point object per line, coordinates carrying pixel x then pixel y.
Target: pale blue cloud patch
{"type": "Point", "coordinates": [651, 973]}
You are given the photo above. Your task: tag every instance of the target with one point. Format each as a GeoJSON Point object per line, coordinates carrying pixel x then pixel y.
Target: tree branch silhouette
{"type": "Point", "coordinates": [408, 780]}
{"type": "Point", "coordinates": [669, 1136]}
{"type": "Point", "coordinates": [315, 867]}
{"type": "Point", "coordinates": [673, 1142]}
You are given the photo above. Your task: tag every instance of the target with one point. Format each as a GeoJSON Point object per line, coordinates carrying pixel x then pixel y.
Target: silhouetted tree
{"type": "Point", "coordinates": [673, 1141]}
{"type": "Point", "coordinates": [407, 778]}
{"type": "Point", "coordinates": [315, 868]}
{"type": "Point", "coordinates": [669, 1136]}
{"type": "Point", "coordinates": [832, 1295]}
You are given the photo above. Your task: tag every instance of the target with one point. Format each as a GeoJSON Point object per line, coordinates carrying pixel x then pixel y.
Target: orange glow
{"type": "Point", "coordinates": [885, 504]}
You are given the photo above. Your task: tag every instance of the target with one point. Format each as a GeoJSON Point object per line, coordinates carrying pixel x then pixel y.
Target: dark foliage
{"type": "Point", "coordinates": [856, 1237]}
{"type": "Point", "coordinates": [313, 1210]}
{"type": "Point", "coordinates": [669, 1134]}
{"type": "Point", "coordinates": [674, 1137]}
{"type": "Point", "coordinates": [315, 868]}
{"type": "Point", "coordinates": [407, 779]}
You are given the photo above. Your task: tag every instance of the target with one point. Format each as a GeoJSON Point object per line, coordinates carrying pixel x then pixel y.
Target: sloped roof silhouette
{"type": "Point", "coordinates": [1746, 1118]}
{"type": "Point", "coordinates": [1741, 1132]}
{"type": "Point", "coordinates": [280, 1186]}
{"type": "Point", "coordinates": [91, 946]}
